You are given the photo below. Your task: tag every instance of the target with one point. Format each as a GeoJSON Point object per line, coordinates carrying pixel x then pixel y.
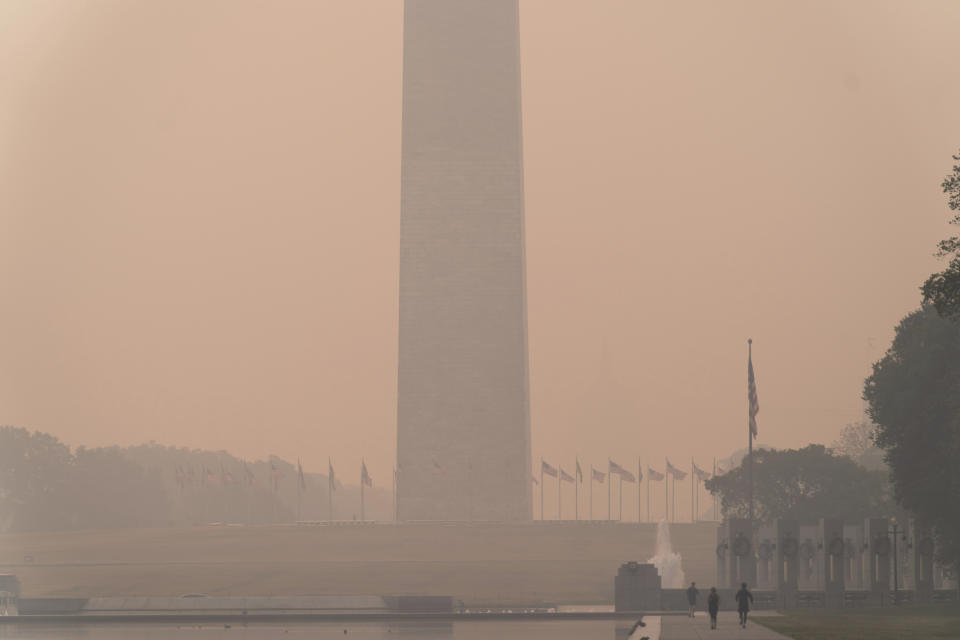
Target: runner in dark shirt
{"type": "Point", "coordinates": [744, 598]}
{"type": "Point", "coordinates": [692, 594]}
{"type": "Point", "coordinates": [713, 606]}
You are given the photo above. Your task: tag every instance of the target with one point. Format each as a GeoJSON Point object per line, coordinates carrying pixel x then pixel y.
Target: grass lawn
{"type": "Point", "coordinates": [890, 623]}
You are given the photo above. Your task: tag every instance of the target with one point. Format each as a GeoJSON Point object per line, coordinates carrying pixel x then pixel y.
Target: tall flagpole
{"type": "Point", "coordinates": [716, 515]}
{"type": "Point", "coordinates": [363, 513]}
{"type": "Point", "coordinates": [620, 498]}
{"type": "Point", "coordinates": [559, 496]}
{"type": "Point", "coordinates": [693, 482]}
{"type": "Point", "coordinates": [609, 484]}
{"type": "Point", "coordinates": [591, 492]}
{"type": "Point", "coordinates": [666, 492]}
{"type": "Point", "coordinates": [577, 478]}
{"type": "Point", "coordinates": [648, 493]}
{"type": "Point", "coordinates": [750, 437]}
{"type": "Point", "coordinates": [639, 480]}
{"type": "Point", "coordinates": [541, 489]}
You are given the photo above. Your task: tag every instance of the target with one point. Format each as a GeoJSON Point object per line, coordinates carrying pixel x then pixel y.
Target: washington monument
{"type": "Point", "coordinates": [463, 445]}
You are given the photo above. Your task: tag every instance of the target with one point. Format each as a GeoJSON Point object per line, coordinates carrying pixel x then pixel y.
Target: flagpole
{"type": "Point", "coordinates": [591, 492]}
{"type": "Point", "coordinates": [620, 498]}
{"type": "Point", "coordinates": [648, 493]}
{"type": "Point", "coordinates": [577, 479]}
{"type": "Point", "coordinates": [693, 482]}
{"type": "Point", "coordinates": [329, 491]}
{"type": "Point", "coordinates": [666, 491]}
{"type": "Point", "coordinates": [609, 490]}
{"type": "Point", "coordinates": [639, 480]}
{"type": "Point", "coordinates": [750, 439]}
{"type": "Point", "coordinates": [541, 489]}
{"type": "Point", "coordinates": [559, 494]}
{"type": "Point", "coordinates": [715, 510]}
{"type": "Point", "coordinates": [363, 515]}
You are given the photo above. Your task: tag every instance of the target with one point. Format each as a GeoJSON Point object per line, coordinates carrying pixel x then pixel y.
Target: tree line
{"type": "Point", "coordinates": [47, 486]}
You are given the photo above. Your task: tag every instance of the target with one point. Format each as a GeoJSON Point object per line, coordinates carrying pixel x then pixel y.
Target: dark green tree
{"type": "Point", "coordinates": [943, 289]}
{"type": "Point", "coordinates": [805, 484]}
{"type": "Point", "coordinates": [914, 398]}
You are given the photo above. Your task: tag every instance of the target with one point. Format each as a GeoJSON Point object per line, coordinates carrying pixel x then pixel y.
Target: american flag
{"type": "Point", "coordinates": [547, 469]}
{"type": "Point", "coordinates": [626, 476]}
{"type": "Point", "coordinates": [579, 472]}
{"type": "Point", "coordinates": [331, 476]}
{"type": "Point", "coordinates": [300, 477]}
{"type": "Point", "coordinates": [614, 467]}
{"type": "Point", "coordinates": [700, 473]}
{"type": "Point", "coordinates": [654, 475]}
{"type": "Point", "coordinates": [752, 396]}
{"type": "Point", "coordinates": [565, 477]}
{"type": "Point", "coordinates": [599, 476]}
{"type": "Point", "coordinates": [365, 478]}
{"type": "Point", "coordinates": [676, 473]}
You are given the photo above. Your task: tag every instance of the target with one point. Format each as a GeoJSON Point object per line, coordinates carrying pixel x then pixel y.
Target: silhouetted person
{"type": "Point", "coordinates": [713, 606]}
{"type": "Point", "coordinates": [744, 598]}
{"type": "Point", "coordinates": [692, 593]}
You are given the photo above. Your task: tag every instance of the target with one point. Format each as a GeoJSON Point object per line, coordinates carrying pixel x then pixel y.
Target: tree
{"type": "Point", "coordinates": [914, 398]}
{"type": "Point", "coordinates": [804, 484]}
{"type": "Point", "coordinates": [856, 442]}
{"type": "Point", "coordinates": [943, 289]}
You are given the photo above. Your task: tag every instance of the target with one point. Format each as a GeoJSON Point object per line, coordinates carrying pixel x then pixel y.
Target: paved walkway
{"type": "Point", "coordinates": [728, 628]}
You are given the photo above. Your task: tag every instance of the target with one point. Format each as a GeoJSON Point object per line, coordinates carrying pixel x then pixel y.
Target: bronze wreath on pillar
{"type": "Point", "coordinates": [790, 547]}
{"type": "Point", "coordinates": [741, 546]}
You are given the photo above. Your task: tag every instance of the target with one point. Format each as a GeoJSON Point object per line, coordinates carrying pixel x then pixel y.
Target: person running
{"type": "Point", "coordinates": [713, 606]}
{"type": "Point", "coordinates": [692, 594]}
{"type": "Point", "coordinates": [744, 598]}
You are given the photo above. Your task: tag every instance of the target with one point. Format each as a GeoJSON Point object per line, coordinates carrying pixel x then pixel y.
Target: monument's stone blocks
{"type": "Point", "coordinates": [636, 587]}
{"type": "Point", "coordinates": [832, 569]}
{"type": "Point", "coordinates": [463, 449]}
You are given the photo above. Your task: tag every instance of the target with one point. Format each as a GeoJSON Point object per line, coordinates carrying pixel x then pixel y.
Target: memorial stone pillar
{"type": "Point", "coordinates": [787, 565]}
{"type": "Point", "coordinates": [831, 537]}
{"type": "Point", "coordinates": [879, 550]}
{"type": "Point", "coordinates": [741, 556]}
{"type": "Point", "coordinates": [922, 562]}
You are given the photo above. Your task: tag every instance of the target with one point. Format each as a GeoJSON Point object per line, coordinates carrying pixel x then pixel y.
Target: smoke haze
{"type": "Point", "coordinates": [199, 214]}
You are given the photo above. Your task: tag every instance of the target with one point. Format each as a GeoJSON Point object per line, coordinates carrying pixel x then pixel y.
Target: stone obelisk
{"type": "Point", "coordinates": [463, 445]}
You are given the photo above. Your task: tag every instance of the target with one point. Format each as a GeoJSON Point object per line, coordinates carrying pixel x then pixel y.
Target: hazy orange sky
{"type": "Point", "coordinates": [199, 214]}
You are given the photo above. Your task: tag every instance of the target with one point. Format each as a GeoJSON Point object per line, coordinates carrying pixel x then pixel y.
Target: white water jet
{"type": "Point", "coordinates": [668, 563]}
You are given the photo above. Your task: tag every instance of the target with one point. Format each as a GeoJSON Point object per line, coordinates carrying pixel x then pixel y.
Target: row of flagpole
{"type": "Point", "coordinates": [698, 476]}
{"type": "Point", "coordinates": [366, 481]}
